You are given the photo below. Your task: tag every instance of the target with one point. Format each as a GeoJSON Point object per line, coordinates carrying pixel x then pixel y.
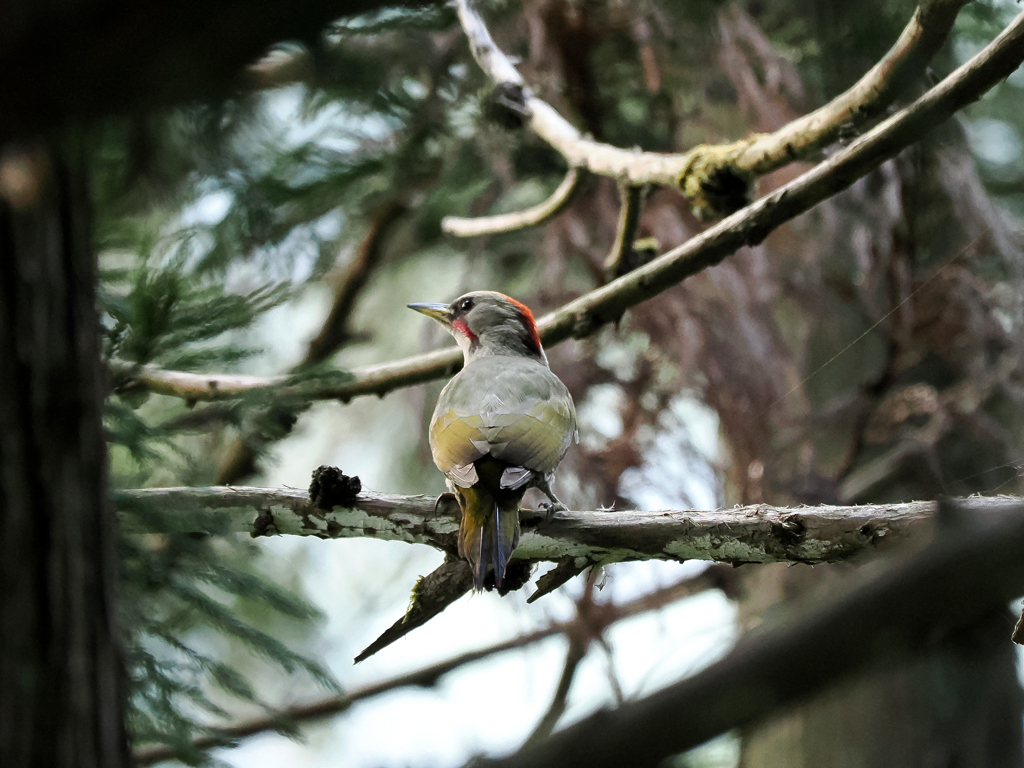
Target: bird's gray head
{"type": "Point", "coordinates": [488, 323]}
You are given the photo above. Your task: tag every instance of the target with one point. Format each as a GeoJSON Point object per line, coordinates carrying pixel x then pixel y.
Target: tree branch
{"type": "Point", "coordinates": [431, 595]}
{"type": "Point", "coordinates": [755, 534]}
{"type": "Point", "coordinates": [335, 331]}
{"type": "Point", "coordinates": [616, 263]}
{"type": "Point", "coordinates": [509, 222]}
{"type": "Point", "coordinates": [755, 155]}
{"type": "Point", "coordinates": [868, 97]}
{"type": "Point", "coordinates": [588, 625]}
{"type": "Point", "coordinates": [573, 656]}
{"type": "Point", "coordinates": [715, 577]}
{"type": "Point", "coordinates": [963, 576]}
{"type": "Point", "coordinates": [954, 403]}
{"type": "Point", "coordinates": [370, 380]}
{"type": "Point", "coordinates": [752, 225]}
{"type": "Point", "coordinates": [606, 304]}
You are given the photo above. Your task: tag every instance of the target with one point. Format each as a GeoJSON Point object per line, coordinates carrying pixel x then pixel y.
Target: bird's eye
{"type": "Point", "coordinates": [465, 305]}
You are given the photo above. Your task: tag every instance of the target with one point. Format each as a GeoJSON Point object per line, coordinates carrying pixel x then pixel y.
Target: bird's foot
{"type": "Point", "coordinates": [550, 508]}
{"type": "Point", "coordinates": [447, 504]}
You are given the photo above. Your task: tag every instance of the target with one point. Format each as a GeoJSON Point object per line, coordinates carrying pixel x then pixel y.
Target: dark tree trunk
{"type": "Point", "coordinates": [959, 705]}
{"type": "Point", "coordinates": [61, 668]}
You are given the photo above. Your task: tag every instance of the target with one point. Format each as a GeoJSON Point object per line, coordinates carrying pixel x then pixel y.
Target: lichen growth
{"type": "Point", "coordinates": [713, 182]}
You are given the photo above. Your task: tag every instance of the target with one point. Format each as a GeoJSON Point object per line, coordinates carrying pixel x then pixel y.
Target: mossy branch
{"type": "Point", "coordinates": [691, 172]}
{"type": "Point", "coordinates": [968, 573]}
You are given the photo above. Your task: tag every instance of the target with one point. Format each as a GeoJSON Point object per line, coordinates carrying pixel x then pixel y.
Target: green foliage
{"type": "Point", "coordinates": [167, 315]}
{"type": "Point", "coordinates": [183, 597]}
{"type": "Point", "coordinates": [429, 18]}
{"type": "Point", "coordinates": [178, 592]}
{"type": "Point", "coordinates": [208, 217]}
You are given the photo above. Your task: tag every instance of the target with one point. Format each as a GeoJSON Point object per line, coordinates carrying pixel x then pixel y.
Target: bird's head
{"type": "Point", "coordinates": [488, 323]}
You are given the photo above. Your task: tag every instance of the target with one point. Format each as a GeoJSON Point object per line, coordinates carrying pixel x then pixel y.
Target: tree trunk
{"type": "Point", "coordinates": [960, 705]}
{"type": "Point", "coordinates": [61, 666]}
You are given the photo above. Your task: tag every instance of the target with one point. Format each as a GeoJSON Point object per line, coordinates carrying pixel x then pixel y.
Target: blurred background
{"type": "Point", "coordinates": [869, 351]}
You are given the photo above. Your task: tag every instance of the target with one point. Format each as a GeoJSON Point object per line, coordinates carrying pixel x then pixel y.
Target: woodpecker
{"type": "Point", "coordinates": [501, 425]}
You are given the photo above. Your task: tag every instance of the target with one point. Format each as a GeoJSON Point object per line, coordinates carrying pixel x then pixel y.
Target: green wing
{"type": "Point", "coordinates": [514, 409]}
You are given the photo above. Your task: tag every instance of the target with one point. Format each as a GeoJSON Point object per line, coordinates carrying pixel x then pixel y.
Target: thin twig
{"type": "Point", "coordinates": [335, 330]}
{"type": "Point", "coordinates": [625, 231]}
{"type": "Point", "coordinates": [509, 222]}
{"type": "Point", "coordinates": [606, 304]}
{"type": "Point", "coordinates": [590, 623]}
{"type": "Point", "coordinates": [711, 578]}
{"type": "Point", "coordinates": [576, 652]}
{"type": "Point", "coordinates": [758, 533]}
{"type": "Point", "coordinates": [613, 679]}
{"type": "Point", "coordinates": [951, 406]}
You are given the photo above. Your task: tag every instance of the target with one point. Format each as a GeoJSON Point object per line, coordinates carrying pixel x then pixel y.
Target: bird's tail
{"type": "Point", "coordinates": [489, 531]}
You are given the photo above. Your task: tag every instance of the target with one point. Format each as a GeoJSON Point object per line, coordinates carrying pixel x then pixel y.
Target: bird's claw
{"type": "Point", "coordinates": [446, 504]}
{"type": "Point", "coordinates": [550, 509]}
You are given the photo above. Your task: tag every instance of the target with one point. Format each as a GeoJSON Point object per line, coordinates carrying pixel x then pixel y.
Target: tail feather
{"type": "Point", "coordinates": [506, 537]}
{"type": "Point", "coordinates": [488, 533]}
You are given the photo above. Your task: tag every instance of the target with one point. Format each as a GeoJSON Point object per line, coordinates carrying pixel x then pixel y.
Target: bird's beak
{"type": "Point", "coordinates": [439, 312]}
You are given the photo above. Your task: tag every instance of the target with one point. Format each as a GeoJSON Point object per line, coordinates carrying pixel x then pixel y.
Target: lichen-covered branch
{"type": "Point", "coordinates": [963, 576]}
{"type": "Point", "coordinates": [752, 225]}
{"type": "Point", "coordinates": [755, 534]}
{"type": "Point", "coordinates": [509, 222]}
{"type": "Point", "coordinates": [606, 304]}
{"type": "Point", "coordinates": [755, 155]}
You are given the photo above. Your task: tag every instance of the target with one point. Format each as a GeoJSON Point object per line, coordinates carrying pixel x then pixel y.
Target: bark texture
{"type": "Point", "coordinates": [61, 669]}
{"type": "Point", "coordinates": [738, 535]}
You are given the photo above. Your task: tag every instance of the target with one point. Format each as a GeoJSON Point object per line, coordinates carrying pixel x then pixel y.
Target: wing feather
{"type": "Point", "coordinates": [526, 417]}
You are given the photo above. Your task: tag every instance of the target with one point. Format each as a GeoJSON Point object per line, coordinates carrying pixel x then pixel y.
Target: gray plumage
{"type": "Point", "coordinates": [501, 425]}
